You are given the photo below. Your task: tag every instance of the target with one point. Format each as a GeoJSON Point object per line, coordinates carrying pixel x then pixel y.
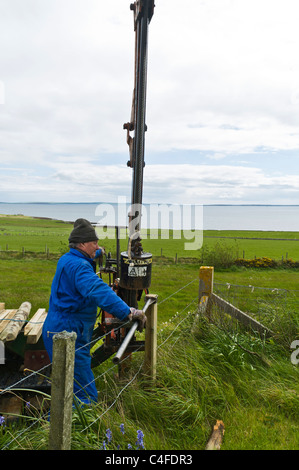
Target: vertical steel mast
{"type": "Point", "coordinates": [143, 12]}
{"type": "Point", "coordinates": [136, 265]}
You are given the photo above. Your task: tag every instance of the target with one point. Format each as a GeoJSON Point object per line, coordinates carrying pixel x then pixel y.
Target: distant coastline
{"type": "Point", "coordinates": [146, 204]}
{"type": "Point", "coordinates": [258, 217]}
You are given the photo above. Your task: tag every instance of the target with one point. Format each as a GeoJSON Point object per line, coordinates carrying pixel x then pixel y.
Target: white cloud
{"type": "Point", "coordinates": [176, 184]}
{"type": "Point", "coordinates": [205, 184]}
{"type": "Point", "coordinates": [222, 79]}
{"type": "Point", "coordinates": [234, 65]}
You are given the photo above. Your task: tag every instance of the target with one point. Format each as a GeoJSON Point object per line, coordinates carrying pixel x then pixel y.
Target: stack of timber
{"type": "Point", "coordinates": [24, 353]}
{"type": "Point", "coordinates": [33, 329]}
{"type": "Point", "coordinates": [12, 323]}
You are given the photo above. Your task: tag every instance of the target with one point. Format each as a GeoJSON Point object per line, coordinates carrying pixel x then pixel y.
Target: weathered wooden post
{"type": "Point", "coordinates": [150, 360]}
{"type": "Point", "coordinates": [62, 390]}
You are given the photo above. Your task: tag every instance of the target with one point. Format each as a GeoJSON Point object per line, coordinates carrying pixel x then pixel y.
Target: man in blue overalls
{"type": "Point", "coordinates": [76, 293]}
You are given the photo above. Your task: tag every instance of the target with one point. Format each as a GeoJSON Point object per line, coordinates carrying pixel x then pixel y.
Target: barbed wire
{"type": "Point", "coordinates": [249, 286]}
{"type": "Point", "coordinates": [176, 327]}
{"type": "Point", "coordinates": [138, 371]}
{"type": "Point", "coordinates": [117, 397]}
{"type": "Point", "coordinates": [45, 416]}
{"type": "Point", "coordinates": [14, 386]}
{"type": "Point", "coordinates": [171, 295]}
{"type": "Point", "coordinates": [38, 372]}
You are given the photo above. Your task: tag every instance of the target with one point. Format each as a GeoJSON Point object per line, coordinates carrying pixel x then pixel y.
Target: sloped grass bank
{"type": "Point", "coordinates": [201, 377]}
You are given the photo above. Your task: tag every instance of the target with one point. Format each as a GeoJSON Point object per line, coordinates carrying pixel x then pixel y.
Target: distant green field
{"type": "Point", "coordinates": [39, 235]}
{"type": "Point", "coordinates": [250, 247]}
{"type": "Point", "coordinates": [18, 233]}
{"type": "Point", "coordinates": [209, 374]}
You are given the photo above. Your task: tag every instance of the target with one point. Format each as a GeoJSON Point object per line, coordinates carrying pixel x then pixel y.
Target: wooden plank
{"type": "Point", "coordinates": [2, 306]}
{"type": "Point", "coordinates": [3, 313]}
{"type": "Point", "coordinates": [241, 316]}
{"type": "Point", "coordinates": [16, 324]}
{"type": "Point", "coordinates": [35, 319]}
{"type": "Point", "coordinates": [5, 318]}
{"type": "Point", "coordinates": [35, 332]}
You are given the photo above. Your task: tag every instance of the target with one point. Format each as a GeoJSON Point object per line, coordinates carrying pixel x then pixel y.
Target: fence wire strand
{"type": "Point", "coordinates": [97, 377]}
{"type": "Point", "coordinates": [224, 289]}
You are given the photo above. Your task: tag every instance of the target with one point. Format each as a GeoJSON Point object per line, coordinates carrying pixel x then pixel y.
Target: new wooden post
{"type": "Point", "coordinates": [206, 281]}
{"type": "Point", "coordinates": [62, 390]}
{"type": "Point", "coordinates": [150, 360]}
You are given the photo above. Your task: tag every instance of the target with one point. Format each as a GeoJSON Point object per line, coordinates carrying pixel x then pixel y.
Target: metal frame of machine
{"type": "Point", "coordinates": [130, 273]}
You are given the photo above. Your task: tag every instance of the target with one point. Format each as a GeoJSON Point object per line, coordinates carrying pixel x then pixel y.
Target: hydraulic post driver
{"type": "Point", "coordinates": [135, 265]}
{"type": "Point", "coordinates": [132, 276]}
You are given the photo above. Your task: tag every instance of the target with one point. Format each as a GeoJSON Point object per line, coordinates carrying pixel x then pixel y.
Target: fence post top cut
{"type": "Point", "coordinates": [153, 297]}
{"type": "Point", "coordinates": [206, 279]}
{"type": "Point", "coordinates": [67, 335]}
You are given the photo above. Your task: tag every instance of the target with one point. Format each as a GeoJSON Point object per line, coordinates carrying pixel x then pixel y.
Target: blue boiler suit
{"type": "Point", "coordinates": [76, 293]}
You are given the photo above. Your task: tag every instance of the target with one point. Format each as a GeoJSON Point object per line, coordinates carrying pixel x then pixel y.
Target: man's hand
{"type": "Point", "coordinates": [100, 252]}
{"type": "Point", "coordinates": [138, 315]}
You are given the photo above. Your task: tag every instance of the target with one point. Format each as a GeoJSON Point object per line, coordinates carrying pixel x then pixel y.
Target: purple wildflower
{"type": "Point", "coordinates": [109, 435]}
{"type": "Point", "coordinates": [139, 442]}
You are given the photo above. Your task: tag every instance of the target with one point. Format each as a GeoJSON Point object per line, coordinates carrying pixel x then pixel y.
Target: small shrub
{"type": "Point", "coordinates": [221, 256]}
{"type": "Point", "coordinates": [263, 262]}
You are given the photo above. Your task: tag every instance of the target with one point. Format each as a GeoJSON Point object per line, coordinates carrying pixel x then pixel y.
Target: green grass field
{"type": "Point", "coordinates": [18, 232]}
{"type": "Point", "coordinates": [22, 271]}
{"type": "Point", "coordinates": [39, 235]}
{"type": "Point", "coordinates": [246, 381]}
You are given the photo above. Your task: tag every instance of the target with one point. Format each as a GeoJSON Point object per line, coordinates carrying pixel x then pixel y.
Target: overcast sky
{"type": "Point", "coordinates": [222, 101]}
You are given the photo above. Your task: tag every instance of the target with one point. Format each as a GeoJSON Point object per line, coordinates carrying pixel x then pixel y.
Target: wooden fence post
{"type": "Point", "coordinates": [150, 360]}
{"type": "Point", "coordinates": [206, 282]}
{"type": "Point", "coordinates": [62, 390]}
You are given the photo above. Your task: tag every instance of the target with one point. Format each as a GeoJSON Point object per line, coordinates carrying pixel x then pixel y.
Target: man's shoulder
{"type": "Point", "coordinates": [75, 258]}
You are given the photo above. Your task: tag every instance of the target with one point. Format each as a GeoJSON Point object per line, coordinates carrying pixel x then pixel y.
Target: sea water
{"type": "Point", "coordinates": [214, 217]}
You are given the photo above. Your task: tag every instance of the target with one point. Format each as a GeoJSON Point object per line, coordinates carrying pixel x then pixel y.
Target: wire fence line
{"type": "Point", "coordinates": [275, 309]}
{"type": "Point", "coordinates": [221, 287]}
{"type": "Point", "coordinates": [77, 349]}
{"type": "Point", "coordinates": [38, 372]}
{"type": "Point", "coordinates": [15, 387]}
{"type": "Point", "coordinates": [261, 302]}
{"type": "Point", "coordinates": [174, 293]}
{"type": "Point", "coordinates": [231, 291]}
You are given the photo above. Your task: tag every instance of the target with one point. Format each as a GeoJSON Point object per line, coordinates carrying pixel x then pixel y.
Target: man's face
{"type": "Point", "coordinates": [90, 248]}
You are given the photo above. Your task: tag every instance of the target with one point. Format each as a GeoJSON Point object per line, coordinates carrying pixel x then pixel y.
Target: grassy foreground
{"type": "Point", "coordinates": [204, 372]}
{"type": "Point", "coordinates": [201, 377]}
